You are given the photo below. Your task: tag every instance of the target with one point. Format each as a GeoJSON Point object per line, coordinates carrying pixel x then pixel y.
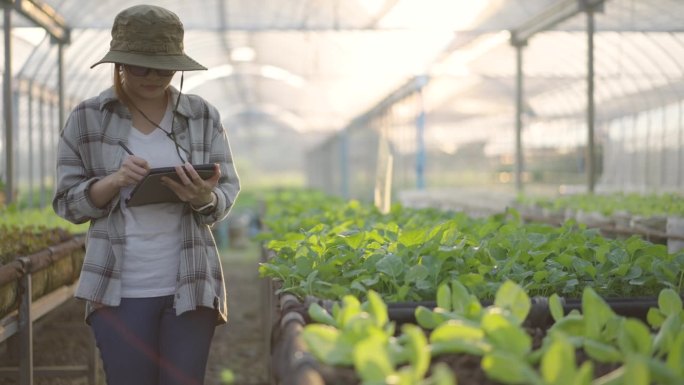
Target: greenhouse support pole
{"type": "Point", "coordinates": [7, 106]}
{"type": "Point", "coordinates": [52, 141]}
{"type": "Point", "coordinates": [25, 325]}
{"type": "Point", "coordinates": [16, 136]}
{"type": "Point", "coordinates": [518, 115]}
{"type": "Point", "coordinates": [591, 151]}
{"type": "Point", "coordinates": [60, 84]}
{"type": "Point", "coordinates": [344, 162]}
{"type": "Point", "coordinates": [420, 139]}
{"type": "Point", "coordinates": [30, 124]}
{"type": "Point", "coordinates": [43, 149]}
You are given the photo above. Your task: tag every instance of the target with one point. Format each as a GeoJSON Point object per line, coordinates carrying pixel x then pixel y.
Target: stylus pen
{"type": "Point", "coordinates": [121, 143]}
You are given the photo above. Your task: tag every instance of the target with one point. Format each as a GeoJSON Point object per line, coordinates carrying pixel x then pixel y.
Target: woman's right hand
{"type": "Point", "coordinates": [133, 169]}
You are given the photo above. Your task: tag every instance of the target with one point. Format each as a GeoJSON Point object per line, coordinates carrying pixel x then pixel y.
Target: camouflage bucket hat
{"type": "Point", "coordinates": [149, 36]}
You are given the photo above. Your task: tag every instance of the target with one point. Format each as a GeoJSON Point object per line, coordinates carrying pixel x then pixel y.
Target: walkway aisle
{"type": "Point", "coordinates": [239, 345]}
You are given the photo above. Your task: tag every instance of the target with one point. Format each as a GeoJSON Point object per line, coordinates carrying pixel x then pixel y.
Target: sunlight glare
{"type": "Point", "coordinates": [33, 35]}
{"type": "Point", "coordinates": [454, 15]}
{"type": "Point", "coordinates": [281, 74]}
{"type": "Point", "coordinates": [202, 77]}
{"type": "Point", "coordinates": [372, 6]}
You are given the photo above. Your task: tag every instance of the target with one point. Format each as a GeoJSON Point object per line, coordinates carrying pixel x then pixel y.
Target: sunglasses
{"type": "Point", "coordinates": [144, 71]}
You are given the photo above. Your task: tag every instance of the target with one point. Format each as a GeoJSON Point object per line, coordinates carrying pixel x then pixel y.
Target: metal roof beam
{"type": "Point", "coordinates": [44, 16]}
{"type": "Point", "coordinates": [551, 17]}
{"type": "Point", "coordinates": [409, 88]}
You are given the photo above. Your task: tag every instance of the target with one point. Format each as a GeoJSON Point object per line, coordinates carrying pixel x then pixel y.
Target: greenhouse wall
{"type": "Point", "coordinates": [469, 104]}
{"type": "Point", "coordinates": [345, 165]}
{"type": "Point", "coordinates": [644, 152]}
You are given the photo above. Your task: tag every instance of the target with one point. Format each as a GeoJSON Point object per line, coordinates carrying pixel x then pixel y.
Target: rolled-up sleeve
{"type": "Point", "coordinates": [71, 200]}
{"type": "Point", "coordinates": [229, 183]}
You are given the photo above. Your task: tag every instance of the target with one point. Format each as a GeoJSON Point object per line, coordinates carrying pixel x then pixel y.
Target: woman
{"type": "Point", "coordinates": [151, 279]}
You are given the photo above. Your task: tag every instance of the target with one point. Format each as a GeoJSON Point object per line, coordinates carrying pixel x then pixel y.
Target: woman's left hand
{"type": "Point", "coordinates": [193, 188]}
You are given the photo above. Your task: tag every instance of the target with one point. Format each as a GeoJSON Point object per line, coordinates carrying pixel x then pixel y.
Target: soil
{"type": "Point", "coordinates": [62, 338]}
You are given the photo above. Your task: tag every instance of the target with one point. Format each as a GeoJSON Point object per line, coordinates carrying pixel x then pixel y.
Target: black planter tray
{"type": "Point", "coordinates": [540, 315]}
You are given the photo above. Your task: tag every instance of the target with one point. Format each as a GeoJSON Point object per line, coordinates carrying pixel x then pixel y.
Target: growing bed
{"type": "Point", "coordinates": [45, 262]}
{"type": "Point", "coordinates": [328, 253]}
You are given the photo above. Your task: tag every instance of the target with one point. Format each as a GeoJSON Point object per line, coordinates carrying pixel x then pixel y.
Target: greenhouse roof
{"type": "Point", "coordinates": [317, 65]}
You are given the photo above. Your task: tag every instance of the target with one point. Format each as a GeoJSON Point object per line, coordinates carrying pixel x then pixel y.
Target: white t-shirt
{"type": "Point", "coordinates": [153, 232]}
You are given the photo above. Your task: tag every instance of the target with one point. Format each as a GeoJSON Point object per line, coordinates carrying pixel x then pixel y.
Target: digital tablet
{"type": "Point", "coordinates": [151, 190]}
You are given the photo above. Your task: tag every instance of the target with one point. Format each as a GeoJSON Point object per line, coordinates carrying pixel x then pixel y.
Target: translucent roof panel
{"type": "Point", "coordinates": [312, 66]}
{"type": "Point", "coordinates": [316, 65]}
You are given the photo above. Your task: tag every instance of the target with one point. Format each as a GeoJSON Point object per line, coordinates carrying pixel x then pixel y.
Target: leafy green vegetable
{"type": "Point", "coordinates": [509, 369]}
{"type": "Point", "coordinates": [329, 248]}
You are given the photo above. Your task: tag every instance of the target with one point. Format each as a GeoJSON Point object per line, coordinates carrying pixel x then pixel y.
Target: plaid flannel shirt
{"type": "Point", "coordinates": [88, 150]}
